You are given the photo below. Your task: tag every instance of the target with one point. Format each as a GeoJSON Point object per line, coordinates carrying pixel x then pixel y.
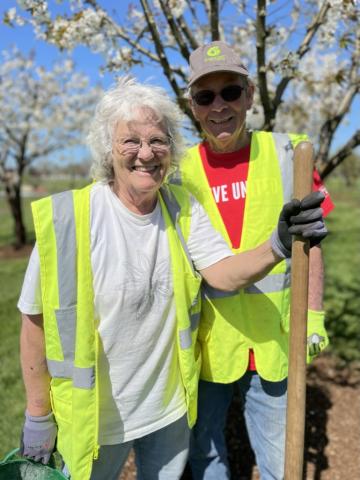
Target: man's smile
{"type": "Point", "coordinates": [221, 121]}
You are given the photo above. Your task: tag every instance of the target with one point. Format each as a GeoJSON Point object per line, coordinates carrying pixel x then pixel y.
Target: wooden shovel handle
{"type": "Point", "coordinates": [295, 421]}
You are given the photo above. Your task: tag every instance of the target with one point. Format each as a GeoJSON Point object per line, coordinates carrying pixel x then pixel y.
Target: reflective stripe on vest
{"type": "Point", "coordinates": [174, 208]}
{"type": "Point", "coordinates": [185, 335]}
{"type": "Point", "coordinates": [284, 149]}
{"type": "Point", "coordinates": [64, 227]}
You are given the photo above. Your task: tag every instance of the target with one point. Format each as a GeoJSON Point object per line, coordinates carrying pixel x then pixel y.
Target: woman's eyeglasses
{"type": "Point", "coordinates": [132, 145]}
{"type": "Point", "coordinates": [229, 94]}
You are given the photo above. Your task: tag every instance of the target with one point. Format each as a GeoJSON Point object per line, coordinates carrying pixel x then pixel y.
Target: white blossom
{"type": "Point", "coordinates": [318, 72]}
{"type": "Point", "coordinates": [45, 110]}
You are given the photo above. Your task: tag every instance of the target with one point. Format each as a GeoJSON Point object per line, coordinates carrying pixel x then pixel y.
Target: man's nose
{"type": "Point", "coordinates": [218, 103]}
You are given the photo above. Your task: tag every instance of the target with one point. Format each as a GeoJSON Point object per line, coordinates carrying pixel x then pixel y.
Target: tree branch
{"type": "Point", "coordinates": [327, 167]}
{"type": "Point", "coordinates": [214, 20]}
{"type": "Point", "coordinates": [187, 33]}
{"type": "Point", "coordinates": [174, 29]}
{"type": "Point", "coordinates": [168, 72]}
{"type": "Point", "coordinates": [122, 34]}
{"type": "Point", "coordinates": [10, 133]}
{"type": "Point", "coordinates": [162, 58]}
{"type": "Point", "coordinates": [3, 157]}
{"type": "Point", "coordinates": [313, 28]}
{"type": "Point", "coordinates": [261, 65]}
{"type": "Point", "coordinates": [44, 152]}
{"type": "Point", "coordinates": [328, 129]}
{"type": "Point", "coordinates": [303, 48]}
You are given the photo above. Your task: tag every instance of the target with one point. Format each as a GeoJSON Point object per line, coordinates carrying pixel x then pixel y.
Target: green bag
{"type": "Point", "coordinates": [15, 467]}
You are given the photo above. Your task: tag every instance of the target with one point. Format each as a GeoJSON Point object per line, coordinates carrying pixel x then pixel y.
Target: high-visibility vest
{"type": "Point", "coordinates": [256, 317]}
{"type": "Point", "coordinates": [62, 225]}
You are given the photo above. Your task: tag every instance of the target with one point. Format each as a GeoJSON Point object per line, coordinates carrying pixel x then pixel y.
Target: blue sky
{"type": "Point", "coordinates": [89, 63]}
{"type": "Point", "coordinates": [46, 55]}
{"type": "Point", "coordinates": [86, 61]}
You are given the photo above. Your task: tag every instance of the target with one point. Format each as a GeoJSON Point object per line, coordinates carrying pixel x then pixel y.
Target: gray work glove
{"type": "Point", "coordinates": [38, 437]}
{"type": "Point", "coordinates": [303, 218]}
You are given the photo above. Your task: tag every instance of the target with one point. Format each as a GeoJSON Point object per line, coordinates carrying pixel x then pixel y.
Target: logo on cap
{"type": "Point", "coordinates": [213, 52]}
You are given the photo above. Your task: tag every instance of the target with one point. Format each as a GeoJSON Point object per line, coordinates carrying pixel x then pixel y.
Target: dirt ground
{"type": "Point", "coordinates": [332, 429]}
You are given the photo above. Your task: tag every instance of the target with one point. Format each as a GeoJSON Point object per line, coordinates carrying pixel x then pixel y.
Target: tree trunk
{"type": "Point", "coordinates": [14, 200]}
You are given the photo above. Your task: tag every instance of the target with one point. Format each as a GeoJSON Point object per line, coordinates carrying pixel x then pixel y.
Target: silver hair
{"type": "Point", "coordinates": [122, 103]}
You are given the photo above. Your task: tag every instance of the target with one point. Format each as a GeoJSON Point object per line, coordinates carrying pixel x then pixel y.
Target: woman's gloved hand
{"type": "Point", "coordinates": [38, 437]}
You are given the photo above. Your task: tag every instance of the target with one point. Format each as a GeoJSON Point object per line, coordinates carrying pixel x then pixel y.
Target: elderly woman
{"type": "Point", "coordinates": [110, 303]}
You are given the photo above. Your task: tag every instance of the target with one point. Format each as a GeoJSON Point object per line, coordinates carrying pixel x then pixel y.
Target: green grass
{"type": "Point", "coordinates": [342, 264]}
{"type": "Point", "coordinates": [6, 221]}
{"type": "Point", "coordinates": [7, 224]}
{"type": "Point", "coordinates": [342, 301]}
{"type": "Point", "coordinates": [12, 401]}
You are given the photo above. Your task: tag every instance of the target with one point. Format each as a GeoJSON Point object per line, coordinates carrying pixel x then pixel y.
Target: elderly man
{"type": "Point", "coordinates": [242, 179]}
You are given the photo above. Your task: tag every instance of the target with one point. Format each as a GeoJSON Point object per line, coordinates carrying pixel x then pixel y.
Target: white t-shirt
{"type": "Point", "coordinates": [140, 384]}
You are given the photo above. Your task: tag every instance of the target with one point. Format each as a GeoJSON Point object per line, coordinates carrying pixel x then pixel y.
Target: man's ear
{"type": "Point", "coordinates": [250, 90]}
{"type": "Point", "coordinates": [192, 106]}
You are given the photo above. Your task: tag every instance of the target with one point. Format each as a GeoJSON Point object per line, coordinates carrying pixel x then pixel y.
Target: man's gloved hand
{"type": "Point", "coordinates": [303, 218]}
{"type": "Point", "coordinates": [317, 338]}
{"type": "Point", "coordinates": [38, 437]}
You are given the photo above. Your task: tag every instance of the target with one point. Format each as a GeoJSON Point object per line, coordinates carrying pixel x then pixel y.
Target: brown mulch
{"type": "Point", "coordinates": [332, 429]}
{"type": "Point", "coordinates": [9, 251]}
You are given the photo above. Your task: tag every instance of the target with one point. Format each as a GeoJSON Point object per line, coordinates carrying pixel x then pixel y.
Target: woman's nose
{"type": "Point", "coordinates": [145, 151]}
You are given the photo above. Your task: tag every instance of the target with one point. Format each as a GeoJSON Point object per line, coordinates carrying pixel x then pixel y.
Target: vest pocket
{"type": "Point", "coordinates": [61, 394]}
{"type": "Point", "coordinates": [61, 397]}
{"type": "Point", "coordinates": [207, 319]}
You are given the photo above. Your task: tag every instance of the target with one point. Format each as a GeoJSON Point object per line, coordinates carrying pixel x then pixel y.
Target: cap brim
{"type": "Point", "coordinates": [220, 68]}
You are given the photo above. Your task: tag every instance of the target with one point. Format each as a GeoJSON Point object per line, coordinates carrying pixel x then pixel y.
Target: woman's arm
{"type": "Point", "coordinates": [33, 363]}
{"type": "Point", "coordinates": [303, 218]}
{"type": "Point", "coordinates": [241, 270]}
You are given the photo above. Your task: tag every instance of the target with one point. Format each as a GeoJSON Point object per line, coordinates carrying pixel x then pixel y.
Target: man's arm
{"type": "Point", "coordinates": [33, 363]}
{"type": "Point", "coordinates": [317, 338]}
{"type": "Point", "coordinates": [238, 271]}
{"type": "Point", "coordinates": [316, 278]}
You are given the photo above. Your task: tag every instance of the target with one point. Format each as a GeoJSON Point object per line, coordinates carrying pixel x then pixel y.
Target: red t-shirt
{"type": "Point", "coordinates": [227, 175]}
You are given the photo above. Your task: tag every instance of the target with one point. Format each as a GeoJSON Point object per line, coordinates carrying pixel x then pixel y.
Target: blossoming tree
{"type": "Point", "coordinates": [42, 112]}
{"type": "Point", "coordinates": [304, 55]}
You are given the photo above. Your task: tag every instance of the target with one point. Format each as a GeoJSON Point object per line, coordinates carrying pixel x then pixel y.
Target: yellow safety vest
{"type": "Point", "coordinates": [62, 226]}
{"type": "Point", "coordinates": [255, 317]}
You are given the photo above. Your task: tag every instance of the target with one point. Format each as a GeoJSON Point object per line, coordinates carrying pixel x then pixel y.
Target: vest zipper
{"type": "Point", "coordinates": [97, 393]}
{"type": "Point", "coordinates": [96, 452]}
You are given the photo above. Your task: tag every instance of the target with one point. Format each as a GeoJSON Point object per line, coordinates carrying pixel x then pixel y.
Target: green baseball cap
{"type": "Point", "coordinates": [214, 57]}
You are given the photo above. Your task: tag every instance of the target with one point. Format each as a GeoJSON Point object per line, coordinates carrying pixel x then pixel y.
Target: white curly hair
{"type": "Point", "coordinates": [122, 102]}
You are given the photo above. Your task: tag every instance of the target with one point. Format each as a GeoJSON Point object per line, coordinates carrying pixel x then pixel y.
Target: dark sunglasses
{"type": "Point", "coordinates": [229, 94]}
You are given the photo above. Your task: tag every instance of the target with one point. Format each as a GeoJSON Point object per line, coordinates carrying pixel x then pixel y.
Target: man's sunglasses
{"type": "Point", "coordinates": [229, 94]}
